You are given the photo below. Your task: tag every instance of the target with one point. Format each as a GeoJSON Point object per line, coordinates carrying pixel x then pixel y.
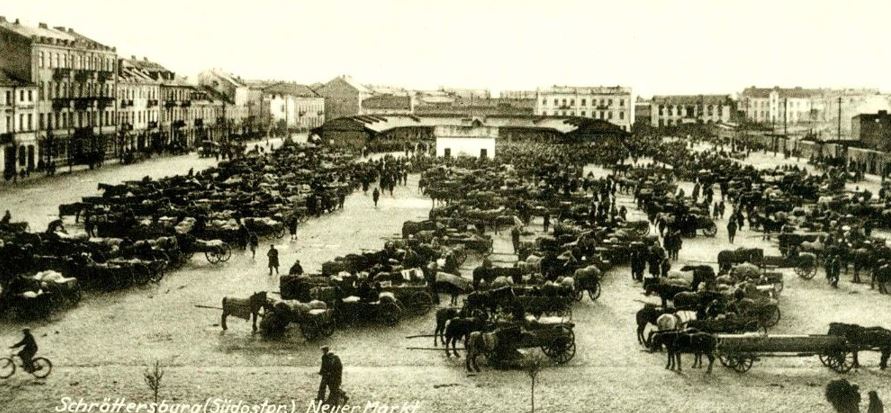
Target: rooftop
{"type": "Point", "coordinates": [588, 90]}
{"type": "Point", "coordinates": [288, 88]}
{"type": "Point", "coordinates": [45, 33]}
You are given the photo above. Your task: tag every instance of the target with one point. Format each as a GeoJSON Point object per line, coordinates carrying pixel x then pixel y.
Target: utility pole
{"type": "Point", "coordinates": [785, 115]}
{"type": "Point", "coordinates": [839, 117]}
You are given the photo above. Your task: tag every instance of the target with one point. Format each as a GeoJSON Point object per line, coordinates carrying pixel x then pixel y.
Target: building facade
{"type": "Point", "coordinates": [696, 109]}
{"type": "Point", "coordinates": [610, 103]}
{"type": "Point", "coordinates": [75, 78]}
{"type": "Point", "coordinates": [294, 105]}
{"type": "Point", "coordinates": [138, 101]}
{"type": "Point", "coordinates": [18, 127]}
{"type": "Point", "coordinates": [343, 97]}
{"type": "Point", "coordinates": [873, 129]}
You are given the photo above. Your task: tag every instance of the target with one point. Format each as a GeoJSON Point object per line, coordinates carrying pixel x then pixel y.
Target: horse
{"type": "Point", "coordinates": [864, 336]}
{"type": "Point", "coordinates": [688, 341]}
{"type": "Point", "coordinates": [649, 314]}
{"type": "Point", "coordinates": [243, 308]}
{"type": "Point", "coordinates": [478, 343]}
{"type": "Point", "coordinates": [443, 315]}
{"type": "Point", "coordinates": [665, 291]}
{"type": "Point", "coordinates": [459, 328]}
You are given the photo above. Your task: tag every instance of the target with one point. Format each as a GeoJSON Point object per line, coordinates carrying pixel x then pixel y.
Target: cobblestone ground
{"type": "Point", "coordinates": [100, 349]}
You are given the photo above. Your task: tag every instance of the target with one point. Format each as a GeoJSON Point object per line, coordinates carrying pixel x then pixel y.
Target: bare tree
{"type": "Point", "coordinates": [535, 362]}
{"type": "Point", "coordinates": [153, 376]}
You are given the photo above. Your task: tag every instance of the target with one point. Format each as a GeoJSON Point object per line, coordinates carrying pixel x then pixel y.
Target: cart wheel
{"type": "Point", "coordinates": [561, 350]}
{"type": "Point", "coordinates": [226, 253]}
{"type": "Point", "coordinates": [75, 294]}
{"type": "Point", "coordinates": [327, 328]}
{"type": "Point", "coordinates": [158, 274]}
{"type": "Point", "coordinates": [824, 359]}
{"type": "Point", "coordinates": [212, 257]}
{"type": "Point", "coordinates": [770, 316]}
{"type": "Point", "coordinates": [421, 303]}
{"type": "Point", "coordinates": [711, 230]}
{"type": "Point", "coordinates": [806, 269]}
{"type": "Point", "coordinates": [310, 328]}
{"type": "Point", "coordinates": [778, 287]}
{"type": "Point", "coordinates": [578, 294]}
{"type": "Point", "coordinates": [743, 364]}
{"type": "Point", "coordinates": [389, 313]}
{"type": "Point", "coordinates": [728, 361]}
{"type": "Point", "coordinates": [594, 290]}
{"type": "Point", "coordinates": [841, 362]}
{"type": "Point", "coordinates": [279, 232]}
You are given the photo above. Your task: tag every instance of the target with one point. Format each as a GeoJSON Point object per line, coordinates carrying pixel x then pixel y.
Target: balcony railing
{"type": "Point", "coordinates": [179, 123]}
{"type": "Point", "coordinates": [105, 75]}
{"type": "Point", "coordinates": [186, 103]}
{"type": "Point", "coordinates": [170, 103]}
{"type": "Point", "coordinates": [83, 103]}
{"type": "Point", "coordinates": [6, 138]}
{"type": "Point", "coordinates": [61, 103]}
{"type": "Point", "coordinates": [199, 123]}
{"type": "Point", "coordinates": [103, 102]}
{"type": "Point", "coordinates": [126, 126]}
{"type": "Point", "coordinates": [126, 103]}
{"type": "Point", "coordinates": [152, 103]}
{"type": "Point", "coordinates": [82, 75]}
{"type": "Point", "coordinates": [152, 124]}
{"type": "Point", "coordinates": [60, 73]}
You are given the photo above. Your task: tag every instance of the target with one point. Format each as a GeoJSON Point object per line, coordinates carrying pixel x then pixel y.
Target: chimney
{"type": "Point", "coordinates": [70, 30]}
{"type": "Point", "coordinates": [16, 21]}
{"type": "Point", "coordinates": [42, 25]}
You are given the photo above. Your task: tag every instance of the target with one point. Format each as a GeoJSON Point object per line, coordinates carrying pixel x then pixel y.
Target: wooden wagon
{"type": "Point", "coordinates": [740, 351]}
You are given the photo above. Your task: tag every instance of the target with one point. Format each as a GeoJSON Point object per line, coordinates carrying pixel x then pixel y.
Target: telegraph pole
{"type": "Point", "coordinates": [785, 115]}
{"type": "Point", "coordinates": [839, 117]}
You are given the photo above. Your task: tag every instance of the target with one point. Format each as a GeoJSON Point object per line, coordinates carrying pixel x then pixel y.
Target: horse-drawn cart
{"type": "Point", "coordinates": [804, 264]}
{"type": "Point", "coordinates": [740, 351]}
{"type": "Point", "coordinates": [216, 251]}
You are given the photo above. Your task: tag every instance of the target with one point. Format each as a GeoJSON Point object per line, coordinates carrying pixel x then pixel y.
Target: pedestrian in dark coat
{"type": "Point", "coordinates": [515, 238]}
{"type": "Point", "coordinates": [254, 242]}
{"type": "Point", "coordinates": [731, 230]}
{"type": "Point", "coordinates": [272, 255]}
{"type": "Point", "coordinates": [547, 221]}
{"type": "Point", "coordinates": [875, 404]}
{"type": "Point", "coordinates": [376, 195]}
{"type": "Point", "coordinates": [332, 374]}
{"type": "Point", "coordinates": [292, 227]}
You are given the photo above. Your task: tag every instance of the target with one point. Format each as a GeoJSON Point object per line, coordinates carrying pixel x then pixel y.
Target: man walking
{"type": "Point", "coordinates": [515, 238]}
{"type": "Point", "coordinates": [272, 255]}
{"type": "Point", "coordinates": [376, 195]}
{"type": "Point", "coordinates": [331, 372]}
{"type": "Point", "coordinates": [731, 230]}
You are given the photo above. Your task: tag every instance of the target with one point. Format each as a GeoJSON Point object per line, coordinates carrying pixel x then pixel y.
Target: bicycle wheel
{"type": "Point", "coordinates": [7, 367]}
{"type": "Point", "coordinates": [42, 367]}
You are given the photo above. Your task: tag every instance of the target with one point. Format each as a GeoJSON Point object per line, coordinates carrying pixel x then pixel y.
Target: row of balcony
{"type": "Point", "coordinates": [175, 103]}
{"type": "Point", "coordinates": [129, 102]}
{"type": "Point", "coordinates": [82, 103]}
{"type": "Point", "coordinates": [82, 75]}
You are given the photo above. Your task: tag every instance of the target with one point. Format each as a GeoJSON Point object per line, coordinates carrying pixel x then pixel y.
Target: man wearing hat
{"type": "Point", "coordinates": [29, 349]}
{"type": "Point", "coordinates": [331, 373]}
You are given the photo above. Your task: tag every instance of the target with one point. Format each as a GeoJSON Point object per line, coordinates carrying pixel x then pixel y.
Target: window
{"type": "Point", "coordinates": [42, 62]}
{"type": "Point", "coordinates": [583, 113]}
{"type": "Point", "coordinates": [610, 114]}
{"type": "Point", "coordinates": [30, 121]}
{"type": "Point", "coordinates": [622, 103]}
{"type": "Point", "coordinates": [564, 102]}
{"type": "Point", "coordinates": [544, 102]}
{"type": "Point", "coordinates": [40, 123]}
{"type": "Point", "coordinates": [572, 102]}
{"type": "Point", "coordinates": [30, 96]}
{"type": "Point", "coordinates": [8, 99]}
{"type": "Point", "coordinates": [555, 102]}
{"type": "Point", "coordinates": [621, 115]}
{"type": "Point", "coordinates": [610, 102]}
{"type": "Point", "coordinates": [21, 122]}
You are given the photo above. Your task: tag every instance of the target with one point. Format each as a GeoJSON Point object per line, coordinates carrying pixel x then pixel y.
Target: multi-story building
{"type": "Point", "coordinates": [610, 103]}
{"type": "Point", "coordinates": [823, 111]}
{"type": "Point", "coordinates": [642, 112]}
{"type": "Point", "coordinates": [343, 97]}
{"type": "Point", "coordinates": [18, 144]}
{"type": "Point", "coordinates": [75, 78]}
{"type": "Point", "coordinates": [684, 109]}
{"type": "Point", "coordinates": [294, 105]}
{"type": "Point", "coordinates": [242, 101]}
{"type": "Point", "coordinates": [873, 129]}
{"type": "Point", "coordinates": [138, 95]}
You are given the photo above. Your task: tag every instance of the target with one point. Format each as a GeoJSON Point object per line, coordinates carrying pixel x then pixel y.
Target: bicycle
{"type": "Point", "coordinates": [41, 366]}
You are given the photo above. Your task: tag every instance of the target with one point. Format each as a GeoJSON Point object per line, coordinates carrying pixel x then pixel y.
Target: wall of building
{"type": "Point", "coordinates": [472, 147]}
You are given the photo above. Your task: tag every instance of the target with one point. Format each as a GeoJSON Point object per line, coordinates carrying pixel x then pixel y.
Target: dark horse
{"type": "Point", "coordinates": [244, 308]}
{"type": "Point", "coordinates": [648, 315]}
{"type": "Point", "coordinates": [443, 315]}
{"type": "Point", "coordinates": [864, 337]}
{"type": "Point", "coordinates": [459, 328]}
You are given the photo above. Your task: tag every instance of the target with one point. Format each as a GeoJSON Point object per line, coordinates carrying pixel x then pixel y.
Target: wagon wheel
{"type": "Point", "coordinates": [824, 359]}
{"type": "Point", "coordinates": [711, 230]}
{"type": "Point", "coordinates": [841, 362]}
{"type": "Point", "coordinates": [187, 255]}
{"type": "Point", "coordinates": [421, 303]}
{"type": "Point", "coordinates": [561, 349]}
{"type": "Point", "coordinates": [578, 294]}
{"type": "Point", "coordinates": [728, 361]}
{"type": "Point", "coordinates": [778, 287]}
{"type": "Point", "coordinates": [213, 256]}
{"type": "Point", "coordinates": [158, 274]}
{"type": "Point", "coordinates": [327, 327]}
{"type": "Point", "coordinates": [225, 252]}
{"type": "Point", "coordinates": [389, 313]}
{"type": "Point", "coordinates": [806, 269]}
{"type": "Point", "coordinates": [310, 328]}
{"type": "Point", "coordinates": [594, 290]}
{"type": "Point", "coordinates": [770, 316]}
{"type": "Point", "coordinates": [74, 294]}
{"type": "Point", "coordinates": [742, 364]}
{"type": "Point", "coordinates": [279, 231]}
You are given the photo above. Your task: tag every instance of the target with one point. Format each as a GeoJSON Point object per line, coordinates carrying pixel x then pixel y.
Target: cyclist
{"type": "Point", "coordinates": [29, 349]}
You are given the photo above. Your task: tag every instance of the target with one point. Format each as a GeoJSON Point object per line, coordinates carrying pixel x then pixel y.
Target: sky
{"type": "Point", "coordinates": [652, 46]}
